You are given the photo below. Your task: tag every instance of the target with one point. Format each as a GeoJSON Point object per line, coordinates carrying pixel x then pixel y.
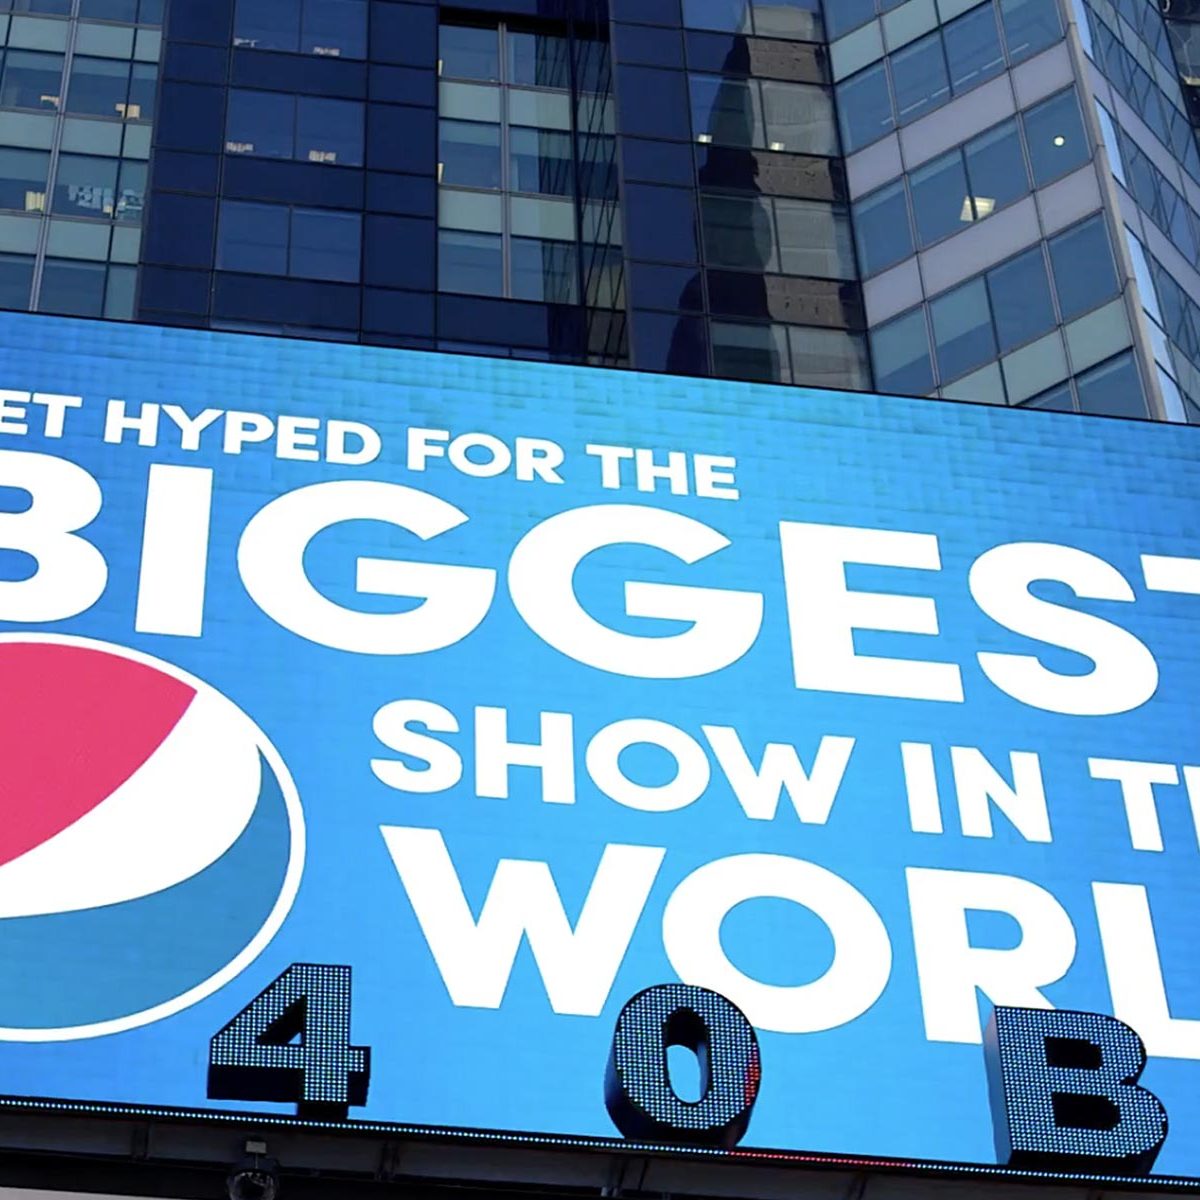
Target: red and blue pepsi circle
{"type": "Point", "coordinates": [151, 839]}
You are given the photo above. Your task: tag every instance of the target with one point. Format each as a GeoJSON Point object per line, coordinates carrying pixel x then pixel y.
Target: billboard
{"type": "Point", "coordinates": [471, 698]}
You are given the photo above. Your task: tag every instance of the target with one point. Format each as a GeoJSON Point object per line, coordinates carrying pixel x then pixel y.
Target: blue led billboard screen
{"type": "Point", "coordinates": [518, 689]}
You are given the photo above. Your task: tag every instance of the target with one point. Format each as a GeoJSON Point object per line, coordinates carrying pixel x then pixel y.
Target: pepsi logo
{"type": "Point", "coordinates": [151, 839]}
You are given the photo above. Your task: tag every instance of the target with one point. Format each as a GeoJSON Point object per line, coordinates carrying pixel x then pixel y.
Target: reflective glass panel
{"type": "Point", "coordinates": [23, 179]}
{"type": "Point", "coordinates": [920, 78]}
{"type": "Point", "coordinates": [962, 330]}
{"type": "Point", "coordinates": [799, 118]}
{"type": "Point", "coordinates": [843, 15]}
{"type": "Point", "coordinates": [109, 10]}
{"type": "Point", "coordinates": [973, 48]}
{"type": "Point", "coordinates": [796, 20]}
{"type": "Point", "coordinates": [260, 123]}
{"type": "Point", "coordinates": [883, 229]}
{"type": "Point", "coordinates": [99, 86]}
{"type": "Point", "coordinates": [252, 237]}
{"type": "Point", "coordinates": [865, 108]}
{"type": "Point", "coordinates": [1056, 137]}
{"type": "Point", "coordinates": [143, 86]}
{"type": "Point", "coordinates": [325, 244]}
{"type": "Point", "coordinates": [131, 191]}
{"type": "Point", "coordinates": [544, 270]}
{"type": "Point", "coordinates": [1084, 273]}
{"type": "Point", "coordinates": [1029, 26]}
{"type": "Point", "coordinates": [900, 350]}
{"type": "Point", "coordinates": [755, 352]}
{"type": "Point", "coordinates": [1020, 295]}
{"type": "Point", "coordinates": [267, 24]}
{"type": "Point", "coordinates": [996, 169]}
{"type": "Point", "coordinates": [730, 16]}
{"type": "Point", "coordinates": [726, 111]}
{"type": "Point", "coordinates": [469, 154]}
{"type": "Point", "coordinates": [540, 161]}
{"type": "Point", "coordinates": [468, 52]}
{"type": "Point", "coordinates": [337, 28]}
{"type": "Point", "coordinates": [1113, 389]}
{"type": "Point", "coordinates": [16, 279]}
{"type": "Point", "coordinates": [31, 79]}
{"type": "Point", "coordinates": [119, 293]}
{"type": "Point", "coordinates": [470, 262]}
{"type": "Point", "coordinates": [86, 186]}
{"type": "Point", "coordinates": [814, 239]}
{"type": "Point", "coordinates": [941, 199]}
{"type": "Point", "coordinates": [829, 358]}
{"type": "Point", "coordinates": [739, 233]}
{"type": "Point", "coordinates": [537, 59]}
{"type": "Point", "coordinates": [74, 289]}
{"type": "Point", "coordinates": [329, 131]}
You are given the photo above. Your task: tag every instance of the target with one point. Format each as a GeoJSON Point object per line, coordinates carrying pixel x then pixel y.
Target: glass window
{"type": "Point", "coordinates": [1113, 389]}
{"type": "Point", "coordinates": [1112, 145]}
{"type": "Point", "coordinates": [143, 87]}
{"type": "Point", "coordinates": [119, 293]}
{"type": "Point", "coordinates": [794, 20]}
{"type": "Point", "coordinates": [23, 179]}
{"type": "Point", "coordinates": [844, 15]}
{"type": "Point", "coordinates": [469, 154]}
{"type": "Point", "coordinates": [545, 110]}
{"type": "Point", "coordinates": [99, 86]}
{"type": "Point", "coordinates": [865, 108]}
{"type": "Point", "coordinates": [16, 279]}
{"type": "Point", "coordinates": [829, 358]}
{"type": "Point", "coordinates": [131, 191]}
{"type": "Point", "coordinates": [75, 289]}
{"type": "Point", "coordinates": [267, 24]}
{"type": "Point", "coordinates": [253, 237]}
{"type": "Point", "coordinates": [86, 186]}
{"type": "Point", "coordinates": [545, 270]}
{"type": "Point", "coordinates": [31, 80]}
{"type": "Point", "coordinates": [920, 78]}
{"type": "Point", "coordinates": [469, 102]}
{"type": "Point", "coordinates": [537, 59]}
{"type": "Point", "coordinates": [337, 28]}
{"type": "Point", "coordinates": [109, 10]}
{"type": "Point", "coordinates": [1057, 399]}
{"type": "Point", "coordinates": [1021, 303]}
{"type": "Point", "coordinates": [325, 244]}
{"type": "Point", "coordinates": [726, 111]}
{"type": "Point", "coordinates": [470, 262]}
{"type": "Point", "coordinates": [883, 229]}
{"type": "Point", "coordinates": [814, 239]}
{"type": "Point", "coordinates": [1084, 273]}
{"type": "Point", "coordinates": [799, 118]}
{"type": "Point", "coordinates": [996, 170]}
{"type": "Point", "coordinates": [468, 52]}
{"type": "Point", "coordinates": [900, 350]}
{"type": "Point", "coordinates": [260, 123]}
{"type": "Point", "coordinates": [756, 352]}
{"type": "Point", "coordinates": [540, 161]}
{"type": "Point", "coordinates": [59, 8]}
{"type": "Point", "coordinates": [1029, 26]}
{"type": "Point", "coordinates": [329, 131]}
{"type": "Point", "coordinates": [962, 330]}
{"type": "Point", "coordinates": [941, 199]}
{"type": "Point", "coordinates": [1057, 141]}
{"type": "Point", "coordinates": [739, 233]}
{"type": "Point", "coordinates": [729, 16]}
{"type": "Point", "coordinates": [973, 48]}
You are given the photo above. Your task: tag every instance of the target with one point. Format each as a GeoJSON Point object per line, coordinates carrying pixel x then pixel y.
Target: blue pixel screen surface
{"type": "Point", "coordinates": [519, 688]}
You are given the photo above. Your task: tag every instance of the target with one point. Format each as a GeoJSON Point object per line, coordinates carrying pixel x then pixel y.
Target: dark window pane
{"type": "Point", "coordinates": [843, 15]}
{"type": "Point", "coordinates": [267, 24]}
{"type": "Point", "coordinates": [467, 52]}
{"type": "Point", "coordinates": [260, 123]}
{"type": "Point", "coordinates": [799, 118]}
{"type": "Point", "coordinates": [16, 277]}
{"type": "Point", "coordinates": [828, 358]}
{"type": "Point", "coordinates": [996, 169]}
{"type": "Point", "coordinates": [1113, 389]}
{"type": "Point", "coordinates": [31, 80]}
{"type": "Point", "coordinates": [900, 350]}
{"type": "Point", "coordinates": [729, 16]}
{"type": "Point", "coordinates": [131, 191]}
{"type": "Point", "coordinates": [58, 8]}
{"type": "Point", "coordinates": [1057, 399]}
{"type": "Point", "coordinates": [1029, 26]}
{"type": "Point", "coordinates": [544, 270]}
{"type": "Point", "coordinates": [469, 154]}
{"type": "Point", "coordinates": [119, 293]}
{"type": "Point", "coordinates": [962, 330]}
{"type": "Point", "coordinates": [470, 262]}
{"type": "Point", "coordinates": [540, 161]}
{"type": "Point", "coordinates": [1057, 142]}
{"type": "Point", "coordinates": [1021, 303]}
{"type": "Point", "coordinates": [883, 228]}
{"type": "Point", "coordinates": [253, 237]}
{"type": "Point", "coordinates": [325, 244]}
{"type": "Point", "coordinates": [150, 12]}
{"type": "Point", "coordinates": [865, 108]}
{"type": "Point", "coordinates": [538, 59]}
{"type": "Point", "coordinates": [334, 27]}
{"type": "Point", "coordinates": [920, 78]}
{"type": "Point", "coordinates": [23, 179]}
{"type": "Point", "coordinates": [1084, 273]}
{"type": "Point", "coordinates": [143, 86]}
{"type": "Point", "coordinates": [99, 86]}
{"type": "Point", "coordinates": [726, 111]}
{"type": "Point", "coordinates": [75, 289]}
{"type": "Point", "coordinates": [814, 239]}
{"type": "Point", "coordinates": [329, 131]}
{"type": "Point", "coordinates": [756, 352]}
{"type": "Point", "coordinates": [940, 198]}
{"type": "Point", "coordinates": [973, 49]}
{"type": "Point", "coordinates": [85, 186]}
{"type": "Point", "coordinates": [738, 233]}
{"type": "Point", "coordinates": [109, 10]}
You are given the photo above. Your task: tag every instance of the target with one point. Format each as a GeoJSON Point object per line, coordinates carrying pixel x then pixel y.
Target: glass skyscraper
{"type": "Point", "coordinates": [995, 201]}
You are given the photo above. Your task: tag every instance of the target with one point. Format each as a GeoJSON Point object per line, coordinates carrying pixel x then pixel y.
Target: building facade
{"type": "Point", "coordinates": [995, 201]}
